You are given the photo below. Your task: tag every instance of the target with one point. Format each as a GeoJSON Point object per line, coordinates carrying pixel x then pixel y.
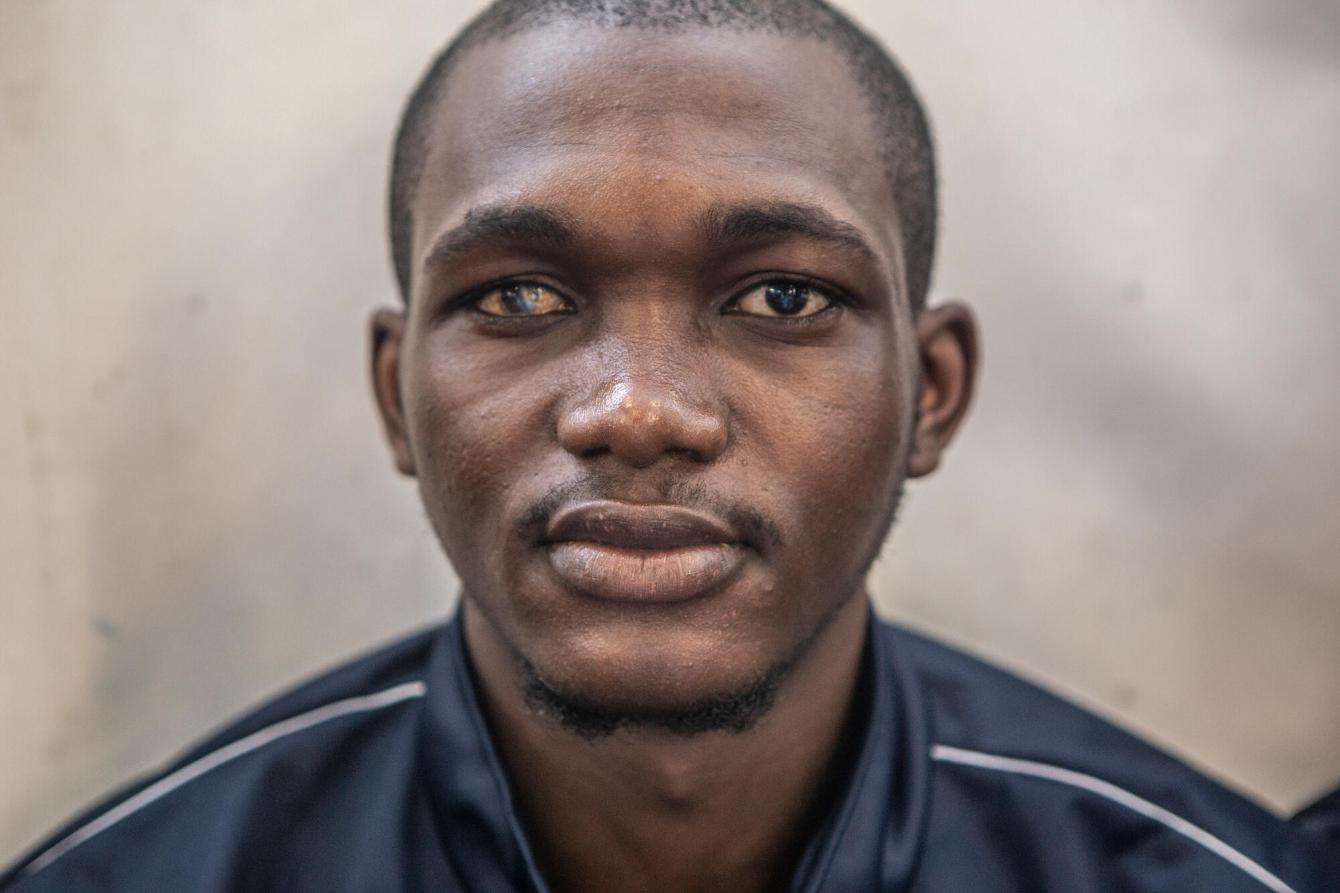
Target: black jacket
{"type": "Point", "coordinates": [381, 776]}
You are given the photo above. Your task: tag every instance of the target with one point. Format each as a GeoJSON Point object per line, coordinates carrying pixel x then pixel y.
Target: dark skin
{"type": "Point", "coordinates": [635, 195]}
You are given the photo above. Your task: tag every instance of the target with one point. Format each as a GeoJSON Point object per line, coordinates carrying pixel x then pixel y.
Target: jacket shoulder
{"type": "Point", "coordinates": [180, 823]}
{"type": "Point", "coordinates": [1321, 823]}
{"type": "Point", "coordinates": [1030, 772]}
{"type": "Point", "coordinates": [382, 668]}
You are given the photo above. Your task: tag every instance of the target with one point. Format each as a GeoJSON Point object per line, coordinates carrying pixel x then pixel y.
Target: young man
{"type": "Point", "coordinates": [663, 367]}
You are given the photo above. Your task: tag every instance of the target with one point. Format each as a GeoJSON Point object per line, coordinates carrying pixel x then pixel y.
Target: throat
{"type": "Point", "coordinates": [720, 811]}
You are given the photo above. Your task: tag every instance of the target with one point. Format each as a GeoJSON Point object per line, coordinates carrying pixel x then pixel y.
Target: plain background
{"type": "Point", "coordinates": [1142, 199]}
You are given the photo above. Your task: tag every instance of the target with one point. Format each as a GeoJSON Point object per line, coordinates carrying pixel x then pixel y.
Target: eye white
{"type": "Point", "coordinates": [783, 300]}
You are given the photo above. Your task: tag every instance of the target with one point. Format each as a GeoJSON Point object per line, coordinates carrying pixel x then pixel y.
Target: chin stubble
{"type": "Point", "coordinates": [735, 711]}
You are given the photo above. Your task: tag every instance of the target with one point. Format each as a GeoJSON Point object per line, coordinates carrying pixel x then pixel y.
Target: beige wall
{"type": "Point", "coordinates": [1141, 198]}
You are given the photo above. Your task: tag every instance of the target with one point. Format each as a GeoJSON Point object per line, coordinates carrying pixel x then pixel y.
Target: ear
{"type": "Point", "coordinates": [947, 341]}
{"type": "Point", "coordinates": [386, 333]}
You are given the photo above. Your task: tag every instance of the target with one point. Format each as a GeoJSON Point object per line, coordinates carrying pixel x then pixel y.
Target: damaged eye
{"type": "Point", "coordinates": [522, 299]}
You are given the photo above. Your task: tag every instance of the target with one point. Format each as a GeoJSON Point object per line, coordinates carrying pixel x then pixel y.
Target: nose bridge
{"type": "Point", "coordinates": [646, 394]}
{"type": "Point", "coordinates": [652, 352]}
{"type": "Point", "coordinates": [649, 347]}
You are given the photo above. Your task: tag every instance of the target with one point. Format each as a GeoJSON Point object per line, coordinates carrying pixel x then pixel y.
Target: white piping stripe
{"type": "Point", "coordinates": [191, 771]}
{"type": "Point", "coordinates": [1107, 790]}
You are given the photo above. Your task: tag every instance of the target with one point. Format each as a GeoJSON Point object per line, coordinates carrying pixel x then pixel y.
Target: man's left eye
{"type": "Point", "coordinates": [524, 299]}
{"type": "Point", "coordinates": [782, 300]}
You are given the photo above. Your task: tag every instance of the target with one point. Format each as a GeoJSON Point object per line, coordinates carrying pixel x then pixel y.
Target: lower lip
{"type": "Point", "coordinates": [656, 576]}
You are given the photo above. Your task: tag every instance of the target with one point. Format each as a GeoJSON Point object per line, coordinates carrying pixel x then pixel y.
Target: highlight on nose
{"type": "Point", "coordinates": [639, 423]}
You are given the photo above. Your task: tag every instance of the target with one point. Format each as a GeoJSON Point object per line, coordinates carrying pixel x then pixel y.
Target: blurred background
{"type": "Point", "coordinates": [1141, 199]}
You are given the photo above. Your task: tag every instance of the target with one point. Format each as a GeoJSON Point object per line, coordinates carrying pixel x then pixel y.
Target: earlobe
{"type": "Point", "coordinates": [948, 345]}
{"type": "Point", "coordinates": [386, 335]}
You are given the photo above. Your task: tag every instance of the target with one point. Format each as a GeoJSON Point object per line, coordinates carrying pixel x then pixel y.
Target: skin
{"type": "Point", "coordinates": [660, 378]}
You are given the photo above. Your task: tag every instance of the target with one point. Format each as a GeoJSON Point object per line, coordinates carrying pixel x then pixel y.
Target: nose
{"type": "Point", "coordinates": [638, 420]}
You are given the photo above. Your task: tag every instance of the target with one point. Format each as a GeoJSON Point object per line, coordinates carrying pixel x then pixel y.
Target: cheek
{"type": "Point", "coordinates": [473, 431]}
{"type": "Point", "coordinates": [833, 436]}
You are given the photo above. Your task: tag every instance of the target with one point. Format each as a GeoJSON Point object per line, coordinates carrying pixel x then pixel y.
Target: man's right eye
{"type": "Point", "coordinates": [523, 299]}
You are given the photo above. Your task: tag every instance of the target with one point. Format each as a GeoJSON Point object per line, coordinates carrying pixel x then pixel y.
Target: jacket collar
{"type": "Point", "coordinates": [869, 840]}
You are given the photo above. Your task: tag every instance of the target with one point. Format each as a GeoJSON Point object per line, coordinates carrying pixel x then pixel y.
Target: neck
{"type": "Point", "coordinates": [717, 810]}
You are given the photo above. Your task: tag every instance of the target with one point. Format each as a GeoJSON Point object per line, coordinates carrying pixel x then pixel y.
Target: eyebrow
{"type": "Point", "coordinates": [516, 224]}
{"type": "Point", "coordinates": [722, 228]}
{"type": "Point", "coordinates": [766, 221]}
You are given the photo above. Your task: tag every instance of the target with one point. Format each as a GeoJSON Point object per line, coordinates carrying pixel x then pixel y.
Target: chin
{"type": "Point", "coordinates": [673, 680]}
{"type": "Point", "coordinates": [690, 665]}
{"type": "Point", "coordinates": [664, 664]}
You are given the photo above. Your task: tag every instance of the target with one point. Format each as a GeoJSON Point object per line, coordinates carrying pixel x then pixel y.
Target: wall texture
{"type": "Point", "coordinates": [1141, 199]}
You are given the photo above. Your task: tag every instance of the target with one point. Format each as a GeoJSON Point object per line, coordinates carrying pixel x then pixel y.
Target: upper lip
{"type": "Point", "coordinates": [638, 526]}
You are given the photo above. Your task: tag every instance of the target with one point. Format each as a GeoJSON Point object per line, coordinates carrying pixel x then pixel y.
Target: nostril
{"type": "Point", "coordinates": [688, 453]}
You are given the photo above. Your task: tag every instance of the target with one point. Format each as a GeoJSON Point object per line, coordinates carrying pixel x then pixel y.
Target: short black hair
{"type": "Point", "coordinates": [906, 147]}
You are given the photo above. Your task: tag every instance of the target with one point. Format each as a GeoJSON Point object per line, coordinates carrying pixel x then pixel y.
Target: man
{"type": "Point", "coordinates": [663, 367]}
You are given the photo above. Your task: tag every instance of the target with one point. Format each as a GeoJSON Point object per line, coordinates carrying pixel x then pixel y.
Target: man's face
{"type": "Point", "coordinates": [661, 271]}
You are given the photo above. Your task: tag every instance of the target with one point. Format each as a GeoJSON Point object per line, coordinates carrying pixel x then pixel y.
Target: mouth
{"type": "Point", "coordinates": [652, 554]}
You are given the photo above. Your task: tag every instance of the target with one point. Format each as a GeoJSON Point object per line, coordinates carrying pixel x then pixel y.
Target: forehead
{"type": "Point", "coordinates": [604, 124]}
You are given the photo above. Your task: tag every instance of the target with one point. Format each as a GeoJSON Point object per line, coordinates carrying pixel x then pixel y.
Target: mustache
{"type": "Point", "coordinates": [752, 525]}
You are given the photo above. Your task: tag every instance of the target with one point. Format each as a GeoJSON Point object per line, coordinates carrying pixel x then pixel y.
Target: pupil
{"type": "Point", "coordinates": [516, 299]}
{"type": "Point", "coordinates": [786, 298]}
